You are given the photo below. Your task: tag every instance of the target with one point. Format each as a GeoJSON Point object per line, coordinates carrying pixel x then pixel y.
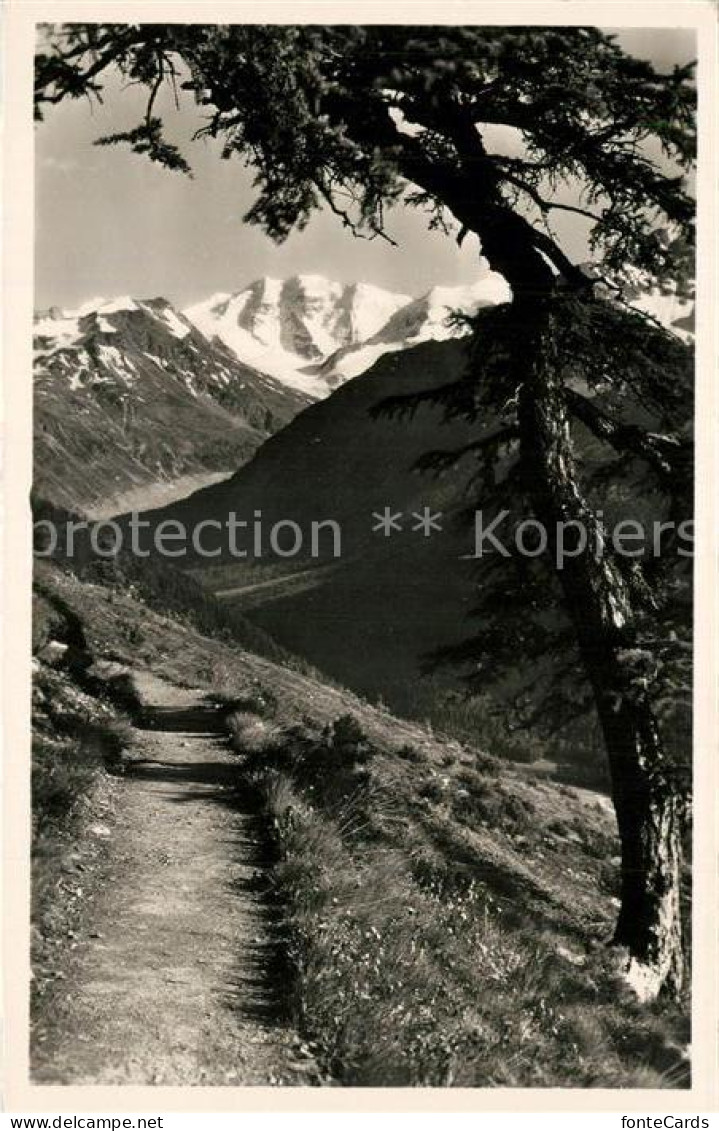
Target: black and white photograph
{"type": "Point", "coordinates": [363, 501]}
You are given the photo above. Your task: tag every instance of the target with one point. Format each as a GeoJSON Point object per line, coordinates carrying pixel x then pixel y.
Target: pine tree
{"type": "Point", "coordinates": [358, 119]}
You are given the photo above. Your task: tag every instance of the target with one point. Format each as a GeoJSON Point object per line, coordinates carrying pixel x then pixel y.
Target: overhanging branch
{"type": "Point", "coordinates": [489, 444]}
{"type": "Point", "coordinates": [666, 453]}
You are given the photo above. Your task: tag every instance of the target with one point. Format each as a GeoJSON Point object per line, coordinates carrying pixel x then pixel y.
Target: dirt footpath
{"type": "Point", "coordinates": [176, 978]}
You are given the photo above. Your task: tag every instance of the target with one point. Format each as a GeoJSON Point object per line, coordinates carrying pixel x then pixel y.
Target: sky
{"type": "Point", "coordinates": [109, 222]}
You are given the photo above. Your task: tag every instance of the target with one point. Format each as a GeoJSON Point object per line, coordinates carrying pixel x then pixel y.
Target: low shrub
{"type": "Point", "coordinates": [62, 772]}
{"type": "Point", "coordinates": [347, 742]}
{"type": "Point", "coordinates": [409, 753]}
{"type": "Point", "coordinates": [77, 736]}
{"type": "Point", "coordinates": [65, 763]}
{"type": "Point", "coordinates": [250, 733]}
{"type": "Point", "coordinates": [489, 804]}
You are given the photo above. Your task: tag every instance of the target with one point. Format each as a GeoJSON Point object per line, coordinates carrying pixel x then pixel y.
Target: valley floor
{"type": "Point", "coordinates": [174, 979]}
{"type": "Point", "coordinates": [147, 496]}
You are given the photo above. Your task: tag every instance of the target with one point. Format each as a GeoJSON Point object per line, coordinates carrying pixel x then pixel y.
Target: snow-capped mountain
{"type": "Point", "coordinates": [129, 393]}
{"type": "Point", "coordinates": [290, 327]}
{"type": "Point", "coordinates": [667, 302]}
{"type": "Point", "coordinates": [110, 342]}
{"type": "Point", "coordinates": [313, 334]}
{"type": "Point", "coordinates": [423, 319]}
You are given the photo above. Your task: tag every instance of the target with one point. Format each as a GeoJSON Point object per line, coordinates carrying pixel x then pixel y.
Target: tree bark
{"type": "Point", "coordinates": [647, 801]}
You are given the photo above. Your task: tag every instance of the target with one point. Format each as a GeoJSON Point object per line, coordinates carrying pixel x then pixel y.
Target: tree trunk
{"type": "Point", "coordinates": [647, 802]}
{"type": "Point", "coordinates": [650, 819]}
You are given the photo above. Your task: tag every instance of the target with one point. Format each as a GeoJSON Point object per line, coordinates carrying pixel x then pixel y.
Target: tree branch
{"type": "Point", "coordinates": [667, 454]}
{"type": "Point", "coordinates": [440, 460]}
{"type": "Point", "coordinates": [348, 222]}
{"type": "Point", "coordinates": [544, 205]}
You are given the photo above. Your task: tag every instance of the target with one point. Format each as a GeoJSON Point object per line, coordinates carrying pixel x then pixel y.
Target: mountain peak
{"type": "Point", "coordinates": [313, 333]}
{"type": "Point", "coordinates": [311, 283]}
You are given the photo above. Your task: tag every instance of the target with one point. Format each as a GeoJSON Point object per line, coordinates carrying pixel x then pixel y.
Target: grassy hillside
{"type": "Point", "coordinates": [445, 915]}
{"type": "Point", "coordinates": [81, 733]}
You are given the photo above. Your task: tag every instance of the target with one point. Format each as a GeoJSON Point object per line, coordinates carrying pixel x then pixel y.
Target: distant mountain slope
{"type": "Point", "coordinates": [370, 617]}
{"type": "Point", "coordinates": [133, 397]}
{"type": "Point", "coordinates": [390, 599]}
{"type": "Point", "coordinates": [667, 305]}
{"type": "Point", "coordinates": [669, 302]}
{"type": "Point", "coordinates": [130, 394]}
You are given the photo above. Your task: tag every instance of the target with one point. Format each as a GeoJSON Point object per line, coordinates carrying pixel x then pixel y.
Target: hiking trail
{"type": "Point", "coordinates": [176, 976]}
